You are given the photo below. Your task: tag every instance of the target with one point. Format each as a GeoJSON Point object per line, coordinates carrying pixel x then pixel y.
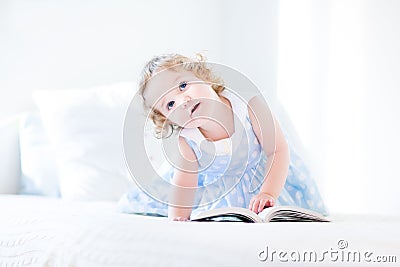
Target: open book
{"type": "Point", "coordinates": [271, 214]}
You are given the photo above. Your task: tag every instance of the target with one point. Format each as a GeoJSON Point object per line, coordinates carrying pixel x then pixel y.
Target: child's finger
{"type": "Point", "coordinates": [271, 202]}
{"type": "Point", "coordinates": [251, 203]}
{"type": "Point", "coordinates": [261, 205]}
{"type": "Point", "coordinates": [254, 205]}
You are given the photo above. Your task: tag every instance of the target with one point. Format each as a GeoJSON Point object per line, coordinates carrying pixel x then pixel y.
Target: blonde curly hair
{"type": "Point", "coordinates": [163, 127]}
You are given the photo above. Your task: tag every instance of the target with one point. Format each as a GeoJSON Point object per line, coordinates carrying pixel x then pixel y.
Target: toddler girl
{"type": "Point", "coordinates": [232, 152]}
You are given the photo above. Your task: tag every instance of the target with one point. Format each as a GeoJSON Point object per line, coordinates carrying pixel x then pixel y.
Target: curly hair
{"type": "Point", "coordinates": [164, 128]}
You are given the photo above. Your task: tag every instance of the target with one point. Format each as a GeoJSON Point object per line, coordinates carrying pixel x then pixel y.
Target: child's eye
{"type": "Point", "coordinates": [182, 85]}
{"type": "Point", "coordinates": [170, 104]}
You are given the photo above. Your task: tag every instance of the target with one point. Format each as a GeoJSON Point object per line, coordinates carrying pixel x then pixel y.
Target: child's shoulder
{"type": "Point", "coordinates": [185, 149]}
{"type": "Point", "coordinates": [190, 134]}
{"type": "Point", "coordinates": [238, 103]}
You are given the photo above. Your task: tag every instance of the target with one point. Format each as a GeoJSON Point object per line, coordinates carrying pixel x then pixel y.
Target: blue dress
{"type": "Point", "coordinates": [231, 172]}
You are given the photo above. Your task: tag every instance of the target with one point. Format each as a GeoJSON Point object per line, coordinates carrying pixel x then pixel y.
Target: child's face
{"type": "Point", "coordinates": [181, 97]}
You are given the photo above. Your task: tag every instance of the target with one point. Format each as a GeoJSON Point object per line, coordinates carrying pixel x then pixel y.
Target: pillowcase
{"type": "Point", "coordinates": [85, 127]}
{"type": "Point", "coordinates": [38, 165]}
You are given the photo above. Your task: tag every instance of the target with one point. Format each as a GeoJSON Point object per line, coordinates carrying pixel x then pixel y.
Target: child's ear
{"type": "Point", "coordinates": [168, 124]}
{"type": "Point", "coordinates": [172, 125]}
{"type": "Point", "coordinates": [167, 121]}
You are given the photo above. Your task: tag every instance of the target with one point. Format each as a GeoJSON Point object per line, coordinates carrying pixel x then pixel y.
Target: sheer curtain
{"type": "Point", "coordinates": [334, 64]}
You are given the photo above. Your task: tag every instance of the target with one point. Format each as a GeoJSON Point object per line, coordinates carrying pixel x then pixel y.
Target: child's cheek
{"type": "Point", "coordinates": [178, 117]}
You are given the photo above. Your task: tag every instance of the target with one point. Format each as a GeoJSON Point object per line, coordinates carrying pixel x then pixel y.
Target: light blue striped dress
{"type": "Point", "coordinates": [231, 172]}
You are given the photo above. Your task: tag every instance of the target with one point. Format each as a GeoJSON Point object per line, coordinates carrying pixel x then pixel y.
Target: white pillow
{"type": "Point", "coordinates": [85, 127]}
{"type": "Point", "coordinates": [9, 155]}
{"type": "Point", "coordinates": [38, 164]}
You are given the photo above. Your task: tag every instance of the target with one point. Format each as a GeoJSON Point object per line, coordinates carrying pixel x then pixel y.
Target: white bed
{"type": "Point", "coordinates": [42, 231]}
{"type": "Point", "coordinates": [81, 226]}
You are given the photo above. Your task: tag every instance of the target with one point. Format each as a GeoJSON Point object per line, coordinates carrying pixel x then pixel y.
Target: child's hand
{"type": "Point", "coordinates": [261, 201]}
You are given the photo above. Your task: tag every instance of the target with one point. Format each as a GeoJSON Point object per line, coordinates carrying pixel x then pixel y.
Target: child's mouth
{"type": "Point", "coordinates": [195, 107]}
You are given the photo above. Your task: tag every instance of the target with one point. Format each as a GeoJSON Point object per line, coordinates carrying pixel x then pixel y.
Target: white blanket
{"type": "Point", "coordinates": [38, 231]}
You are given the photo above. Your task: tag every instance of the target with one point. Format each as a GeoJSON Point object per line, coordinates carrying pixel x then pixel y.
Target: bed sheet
{"type": "Point", "coordinates": [41, 231]}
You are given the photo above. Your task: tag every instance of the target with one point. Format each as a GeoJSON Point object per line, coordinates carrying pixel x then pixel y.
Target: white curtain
{"type": "Point", "coordinates": [338, 78]}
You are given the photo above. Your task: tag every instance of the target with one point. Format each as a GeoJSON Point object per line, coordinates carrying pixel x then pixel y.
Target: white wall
{"type": "Point", "coordinates": [333, 64]}
{"type": "Point", "coordinates": [250, 39]}
{"type": "Point", "coordinates": [63, 44]}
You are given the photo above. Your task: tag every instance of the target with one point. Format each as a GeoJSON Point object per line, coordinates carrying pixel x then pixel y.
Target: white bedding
{"type": "Point", "coordinates": [39, 231]}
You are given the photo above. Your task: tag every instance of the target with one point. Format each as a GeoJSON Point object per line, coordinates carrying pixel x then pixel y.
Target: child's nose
{"type": "Point", "coordinates": [185, 100]}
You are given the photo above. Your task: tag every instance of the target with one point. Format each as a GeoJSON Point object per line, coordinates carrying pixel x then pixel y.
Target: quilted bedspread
{"type": "Point", "coordinates": [40, 231]}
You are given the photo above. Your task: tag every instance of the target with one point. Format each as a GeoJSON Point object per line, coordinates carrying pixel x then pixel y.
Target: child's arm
{"type": "Point", "coordinates": [185, 180]}
{"type": "Point", "coordinates": [272, 140]}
